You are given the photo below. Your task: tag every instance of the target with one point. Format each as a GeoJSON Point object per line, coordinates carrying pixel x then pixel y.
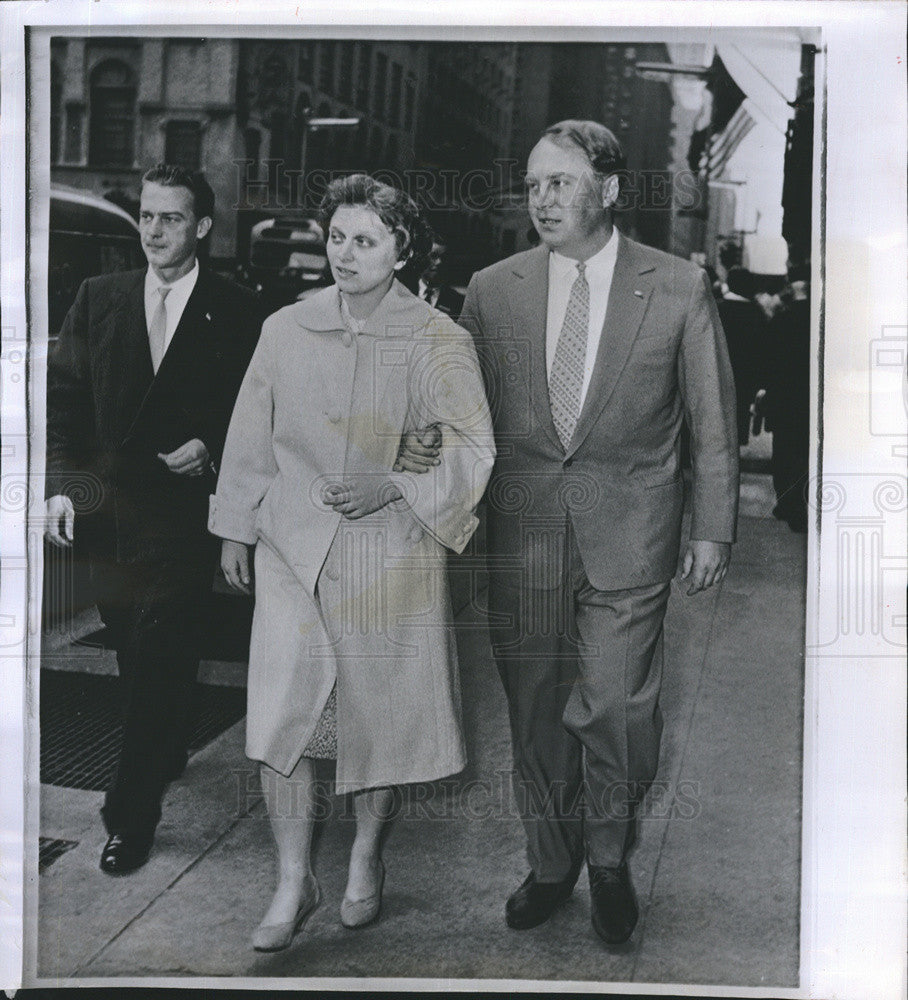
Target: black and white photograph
{"type": "Point", "coordinates": [445, 561]}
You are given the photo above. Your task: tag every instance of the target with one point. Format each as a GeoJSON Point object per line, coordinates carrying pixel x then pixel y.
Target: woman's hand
{"type": "Point", "coordinates": [235, 564]}
{"type": "Point", "coordinates": [361, 495]}
{"type": "Point", "coordinates": [419, 450]}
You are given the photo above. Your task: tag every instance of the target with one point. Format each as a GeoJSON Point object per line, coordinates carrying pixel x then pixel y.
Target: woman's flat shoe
{"type": "Point", "coordinates": [356, 913]}
{"type": "Point", "coordinates": [276, 937]}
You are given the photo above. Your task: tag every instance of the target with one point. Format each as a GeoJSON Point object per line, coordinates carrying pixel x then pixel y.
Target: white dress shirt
{"type": "Point", "coordinates": [562, 275]}
{"type": "Point", "coordinates": [176, 300]}
{"type": "Point", "coordinates": [427, 293]}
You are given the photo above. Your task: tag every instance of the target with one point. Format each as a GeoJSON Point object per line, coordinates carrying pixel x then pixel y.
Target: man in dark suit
{"type": "Point", "coordinates": [433, 283]}
{"type": "Point", "coordinates": [745, 332]}
{"type": "Point", "coordinates": [596, 350]}
{"type": "Point", "coordinates": [141, 386]}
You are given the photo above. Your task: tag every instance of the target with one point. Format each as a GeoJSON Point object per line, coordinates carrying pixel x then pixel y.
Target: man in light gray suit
{"type": "Point", "coordinates": [596, 349]}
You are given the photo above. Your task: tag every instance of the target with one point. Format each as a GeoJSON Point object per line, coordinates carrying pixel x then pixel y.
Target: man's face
{"type": "Point", "coordinates": [169, 229]}
{"type": "Point", "coordinates": [432, 273]}
{"type": "Point", "coordinates": [567, 201]}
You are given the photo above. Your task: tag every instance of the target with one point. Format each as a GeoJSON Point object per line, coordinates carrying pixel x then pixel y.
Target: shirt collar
{"type": "Point", "coordinates": [186, 283]}
{"type": "Point", "coordinates": [602, 262]}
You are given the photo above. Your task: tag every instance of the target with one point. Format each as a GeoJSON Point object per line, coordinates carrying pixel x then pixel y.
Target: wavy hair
{"type": "Point", "coordinates": [396, 209]}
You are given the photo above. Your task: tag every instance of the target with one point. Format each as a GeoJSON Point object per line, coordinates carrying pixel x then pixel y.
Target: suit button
{"type": "Point", "coordinates": [568, 462]}
{"type": "Point", "coordinates": [332, 574]}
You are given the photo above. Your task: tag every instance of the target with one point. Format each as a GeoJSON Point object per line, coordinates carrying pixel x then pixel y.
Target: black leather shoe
{"type": "Point", "coordinates": [122, 854]}
{"type": "Point", "coordinates": [612, 903]}
{"type": "Point", "coordinates": [534, 902]}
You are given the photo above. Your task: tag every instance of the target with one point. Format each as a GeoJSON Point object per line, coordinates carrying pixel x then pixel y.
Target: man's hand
{"type": "Point", "coordinates": [59, 518]}
{"type": "Point", "coordinates": [361, 496]}
{"type": "Point", "coordinates": [235, 564]}
{"type": "Point", "coordinates": [419, 450]}
{"type": "Point", "coordinates": [705, 563]}
{"type": "Point", "coordinates": [190, 459]}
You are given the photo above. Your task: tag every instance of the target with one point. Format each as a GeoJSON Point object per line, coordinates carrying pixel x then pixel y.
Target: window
{"type": "Point", "coordinates": [183, 144]}
{"type": "Point", "coordinates": [304, 63]}
{"type": "Point", "coordinates": [326, 67]}
{"type": "Point", "coordinates": [345, 80]}
{"type": "Point", "coordinates": [395, 109]}
{"type": "Point", "coordinates": [381, 86]}
{"type": "Point", "coordinates": [111, 141]}
{"type": "Point", "coordinates": [56, 112]}
{"type": "Point", "coordinates": [362, 76]}
{"type": "Point", "coordinates": [410, 102]}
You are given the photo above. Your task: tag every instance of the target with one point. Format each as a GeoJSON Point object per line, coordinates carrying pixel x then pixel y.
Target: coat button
{"type": "Point", "coordinates": [332, 574]}
{"type": "Point", "coordinates": [334, 416]}
{"type": "Point", "coordinates": [568, 462]}
{"type": "Point", "coordinates": [347, 338]}
{"type": "Point", "coordinates": [414, 534]}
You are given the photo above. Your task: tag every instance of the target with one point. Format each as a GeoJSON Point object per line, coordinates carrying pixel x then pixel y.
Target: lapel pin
{"type": "Point", "coordinates": [208, 317]}
{"type": "Point", "coordinates": [638, 293]}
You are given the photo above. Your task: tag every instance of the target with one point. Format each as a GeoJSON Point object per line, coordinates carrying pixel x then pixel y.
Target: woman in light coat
{"type": "Point", "coordinates": [352, 653]}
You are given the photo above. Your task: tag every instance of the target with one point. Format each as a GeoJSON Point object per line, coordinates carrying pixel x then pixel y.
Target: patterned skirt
{"type": "Point", "coordinates": [322, 744]}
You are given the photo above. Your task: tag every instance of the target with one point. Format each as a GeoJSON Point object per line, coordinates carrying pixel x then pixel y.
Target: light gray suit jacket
{"type": "Point", "coordinates": [662, 359]}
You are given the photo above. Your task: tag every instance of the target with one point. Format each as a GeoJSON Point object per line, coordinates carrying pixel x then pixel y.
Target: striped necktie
{"type": "Point", "coordinates": [566, 378]}
{"type": "Point", "coordinates": [158, 329]}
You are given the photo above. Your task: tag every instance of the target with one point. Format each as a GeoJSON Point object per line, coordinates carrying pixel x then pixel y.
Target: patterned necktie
{"type": "Point", "coordinates": [158, 329]}
{"type": "Point", "coordinates": [566, 379]}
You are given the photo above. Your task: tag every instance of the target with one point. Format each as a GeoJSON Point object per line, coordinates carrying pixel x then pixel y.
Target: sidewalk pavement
{"type": "Point", "coordinates": [716, 869]}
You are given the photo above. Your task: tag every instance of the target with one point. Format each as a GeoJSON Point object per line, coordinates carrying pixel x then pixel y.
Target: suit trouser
{"type": "Point", "coordinates": [581, 670]}
{"type": "Point", "coordinates": [154, 612]}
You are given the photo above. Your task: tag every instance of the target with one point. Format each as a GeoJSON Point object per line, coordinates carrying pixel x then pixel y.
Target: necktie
{"type": "Point", "coordinates": [566, 378]}
{"type": "Point", "coordinates": [158, 329]}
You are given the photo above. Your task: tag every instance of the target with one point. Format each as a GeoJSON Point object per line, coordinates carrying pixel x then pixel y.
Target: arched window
{"type": "Point", "coordinates": [111, 141]}
{"type": "Point", "coordinates": [56, 112]}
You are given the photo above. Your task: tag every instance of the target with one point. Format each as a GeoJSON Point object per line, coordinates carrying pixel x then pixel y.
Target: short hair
{"type": "Point", "coordinates": [598, 143]}
{"type": "Point", "coordinates": [741, 282]}
{"type": "Point", "coordinates": [168, 175]}
{"type": "Point", "coordinates": [396, 209]}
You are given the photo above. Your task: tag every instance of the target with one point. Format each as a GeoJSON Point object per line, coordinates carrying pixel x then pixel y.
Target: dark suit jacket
{"type": "Point", "coordinates": [109, 415]}
{"type": "Point", "coordinates": [450, 301]}
{"type": "Point", "coordinates": [662, 357]}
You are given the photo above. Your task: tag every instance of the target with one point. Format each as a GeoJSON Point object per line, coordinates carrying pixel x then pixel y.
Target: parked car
{"type": "Point", "coordinates": [88, 236]}
{"type": "Point", "coordinates": [287, 258]}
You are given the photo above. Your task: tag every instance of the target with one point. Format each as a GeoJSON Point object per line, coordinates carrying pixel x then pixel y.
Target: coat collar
{"type": "Point", "coordinates": [398, 313]}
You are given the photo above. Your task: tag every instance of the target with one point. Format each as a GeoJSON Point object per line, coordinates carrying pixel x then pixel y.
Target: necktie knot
{"type": "Point", "coordinates": [581, 269]}
{"type": "Point", "coordinates": [163, 291]}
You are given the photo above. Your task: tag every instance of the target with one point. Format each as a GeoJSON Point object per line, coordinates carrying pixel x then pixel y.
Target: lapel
{"type": "Point", "coordinates": [632, 285]}
{"type": "Point", "coordinates": [183, 350]}
{"type": "Point", "coordinates": [191, 332]}
{"type": "Point", "coordinates": [528, 298]}
{"type": "Point", "coordinates": [129, 356]}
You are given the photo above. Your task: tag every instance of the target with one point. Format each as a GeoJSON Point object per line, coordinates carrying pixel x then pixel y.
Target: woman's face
{"type": "Point", "coordinates": [362, 252]}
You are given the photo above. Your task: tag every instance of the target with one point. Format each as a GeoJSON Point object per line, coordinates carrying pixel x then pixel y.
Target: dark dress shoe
{"type": "Point", "coordinates": [122, 854]}
{"type": "Point", "coordinates": [612, 904]}
{"type": "Point", "coordinates": [534, 902]}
